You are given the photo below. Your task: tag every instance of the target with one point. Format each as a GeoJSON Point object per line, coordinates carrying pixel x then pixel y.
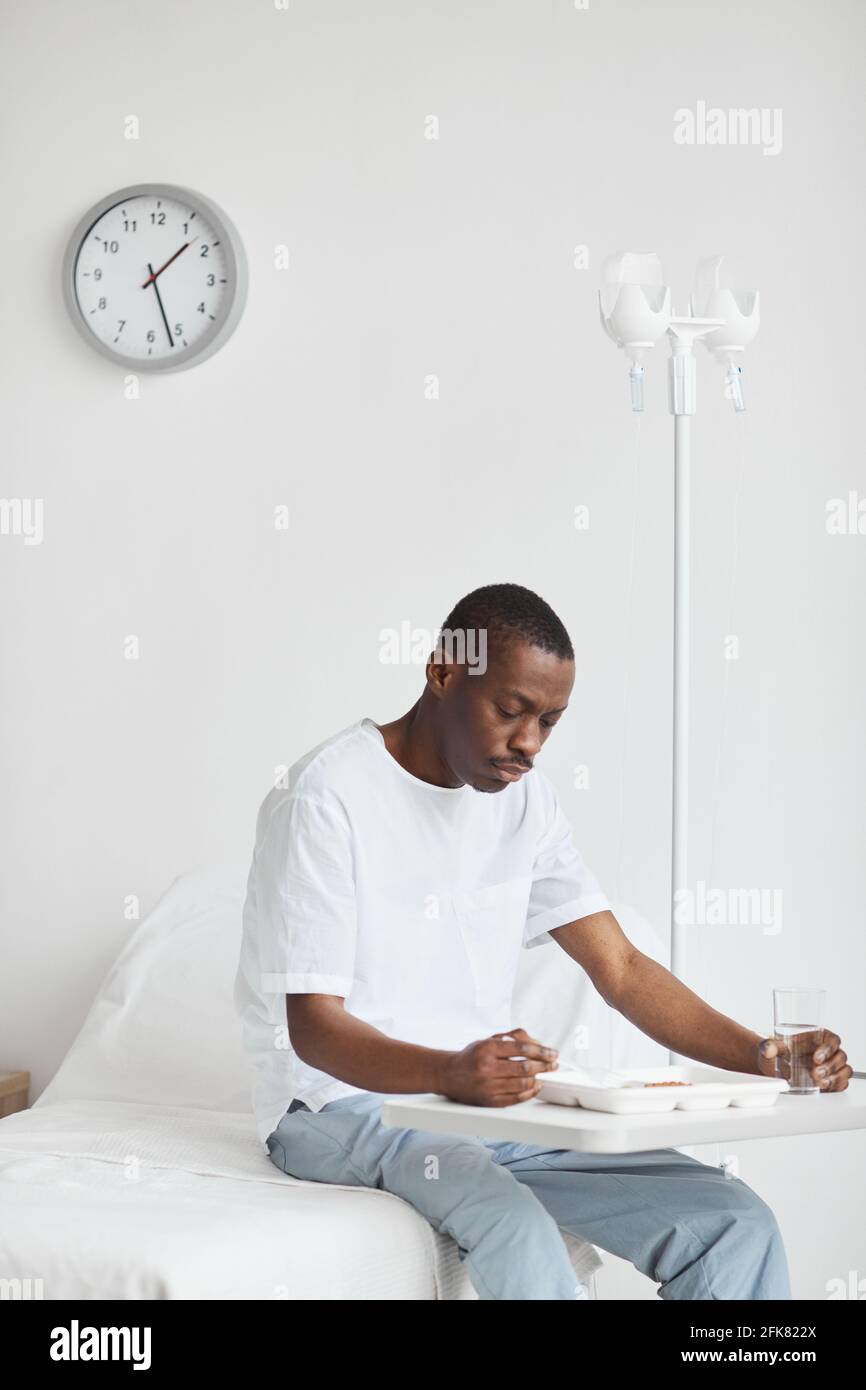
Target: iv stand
{"type": "Point", "coordinates": [635, 311]}
{"type": "Point", "coordinates": [682, 374]}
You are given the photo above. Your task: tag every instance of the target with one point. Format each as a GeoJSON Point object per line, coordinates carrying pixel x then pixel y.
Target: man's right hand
{"type": "Point", "coordinates": [499, 1070]}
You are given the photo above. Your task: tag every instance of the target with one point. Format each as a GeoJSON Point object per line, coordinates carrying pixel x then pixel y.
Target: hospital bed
{"type": "Point", "coordinates": [138, 1174]}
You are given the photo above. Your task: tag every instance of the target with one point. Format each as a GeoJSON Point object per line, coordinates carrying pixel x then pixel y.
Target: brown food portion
{"type": "Point", "coordinates": [667, 1083]}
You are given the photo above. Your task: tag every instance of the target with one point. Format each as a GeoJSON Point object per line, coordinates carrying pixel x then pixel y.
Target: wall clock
{"type": "Point", "coordinates": [155, 277]}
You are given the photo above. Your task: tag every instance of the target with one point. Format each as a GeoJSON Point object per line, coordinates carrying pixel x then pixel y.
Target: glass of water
{"type": "Point", "coordinates": [798, 1018]}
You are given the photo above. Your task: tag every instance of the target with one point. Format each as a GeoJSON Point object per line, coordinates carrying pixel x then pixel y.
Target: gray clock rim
{"type": "Point", "coordinates": [218, 333]}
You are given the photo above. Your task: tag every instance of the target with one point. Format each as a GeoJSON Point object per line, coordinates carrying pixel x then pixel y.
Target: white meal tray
{"type": "Point", "coordinates": [706, 1088]}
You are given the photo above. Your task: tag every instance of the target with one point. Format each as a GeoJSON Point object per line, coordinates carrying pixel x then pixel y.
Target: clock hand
{"type": "Point", "coordinates": [159, 300]}
{"type": "Point", "coordinates": [153, 274]}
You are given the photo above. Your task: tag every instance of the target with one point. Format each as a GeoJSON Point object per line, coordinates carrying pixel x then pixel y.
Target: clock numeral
{"type": "Point", "coordinates": [157, 219]}
{"type": "Point", "coordinates": [97, 274]}
{"type": "Point", "coordinates": [178, 330]}
{"type": "Point", "coordinates": [211, 279]}
{"type": "Point", "coordinates": [121, 324]}
{"type": "Point", "coordinates": [150, 335]}
{"type": "Point", "coordinates": [201, 308]}
{"type": "Point", "coordinates": [101, 303]}
{"type": "Point", "coordinates": [110, 247]}
{"type": "Point", "coordinates": [130, 226]}
{"type": "Point", "coordinates": [204, 250]}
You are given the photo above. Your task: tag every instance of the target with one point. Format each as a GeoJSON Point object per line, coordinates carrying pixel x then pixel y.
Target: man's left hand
{"type": "Point", "coordinates": [829, 1064]}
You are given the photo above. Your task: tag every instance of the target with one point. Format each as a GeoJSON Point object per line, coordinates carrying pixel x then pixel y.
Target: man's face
{"type": "Point", "coordinates": [496, 723]}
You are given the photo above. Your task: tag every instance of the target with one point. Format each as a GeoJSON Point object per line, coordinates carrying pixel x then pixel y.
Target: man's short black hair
{"type": "Point", "coordinates": [509, 613]}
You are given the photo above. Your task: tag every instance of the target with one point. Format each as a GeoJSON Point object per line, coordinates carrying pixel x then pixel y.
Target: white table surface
{"type": "Point", "coordinates": [592, 1131]}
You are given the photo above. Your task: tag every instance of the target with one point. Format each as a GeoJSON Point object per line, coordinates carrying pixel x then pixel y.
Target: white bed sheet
{"type": "Point", "coordinates": [125, 1200]}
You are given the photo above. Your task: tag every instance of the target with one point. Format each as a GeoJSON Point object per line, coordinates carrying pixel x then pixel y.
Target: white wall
{"type": "Point", "coordinates": [455, 257]}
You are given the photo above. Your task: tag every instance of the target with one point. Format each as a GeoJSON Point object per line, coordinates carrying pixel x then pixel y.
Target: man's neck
{"type": "Point", "coordinates": [410, 742]}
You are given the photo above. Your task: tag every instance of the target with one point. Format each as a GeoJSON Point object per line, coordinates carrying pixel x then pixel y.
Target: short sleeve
{"type": "Point", "coordinates": [305, 899]}
{"type": "Point", "coordinates": [563, 888]}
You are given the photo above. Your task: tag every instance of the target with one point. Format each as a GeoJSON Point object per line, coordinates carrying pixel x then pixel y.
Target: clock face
{"type": "Point", "coordinates": [158, 277]}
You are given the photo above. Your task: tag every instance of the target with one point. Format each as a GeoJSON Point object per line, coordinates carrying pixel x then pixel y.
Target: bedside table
{"type": "Point", "coordinates": [14, 1086]}
{"type": "Point", "coordinates": [594, 1131]}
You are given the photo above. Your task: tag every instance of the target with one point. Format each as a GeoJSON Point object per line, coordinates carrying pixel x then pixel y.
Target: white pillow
{"type": "Point", "coordinates": [163, 1028]}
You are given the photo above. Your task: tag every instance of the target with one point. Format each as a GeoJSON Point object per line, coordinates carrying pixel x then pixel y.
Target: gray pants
{"type": "Point", "coordinates": [697, 1232]}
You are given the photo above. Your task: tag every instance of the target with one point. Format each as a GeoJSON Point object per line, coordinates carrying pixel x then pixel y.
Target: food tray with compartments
{"type": "Point", "coordinates": [648, 1090]}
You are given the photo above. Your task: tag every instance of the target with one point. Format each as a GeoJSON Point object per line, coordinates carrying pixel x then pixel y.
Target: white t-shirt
{"type": "Point", "coordinates": [410, 901]}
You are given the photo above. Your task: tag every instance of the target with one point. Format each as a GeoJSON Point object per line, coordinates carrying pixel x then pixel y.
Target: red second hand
{"type": "Point", "coordinates": [168, 262]}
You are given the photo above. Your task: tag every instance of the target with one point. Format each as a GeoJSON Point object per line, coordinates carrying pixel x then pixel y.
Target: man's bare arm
{"type": "Point", "coordinates": [325, 1036]}
{"type": "Point", "coordinates": [499, 1070]}
{"type": "Point", "coordinates": [653, 999]}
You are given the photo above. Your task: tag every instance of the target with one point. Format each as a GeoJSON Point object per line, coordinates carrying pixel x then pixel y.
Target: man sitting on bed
{"type": "Point", "coordinates": [386, 907]}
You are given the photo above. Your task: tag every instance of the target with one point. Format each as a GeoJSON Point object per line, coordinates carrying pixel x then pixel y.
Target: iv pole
{"type": "Point", "coordinates": [635, 309]}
